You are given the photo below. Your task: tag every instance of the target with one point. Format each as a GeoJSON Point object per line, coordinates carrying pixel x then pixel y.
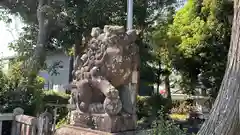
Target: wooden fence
{"type": "Point", "coordinates": [27, 125]}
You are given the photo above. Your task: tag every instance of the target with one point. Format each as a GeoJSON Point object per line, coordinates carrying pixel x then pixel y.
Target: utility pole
{"type": "Point", "coordinates": [130, 14]}
{"type": "Point", "coordinates": [133, 86]}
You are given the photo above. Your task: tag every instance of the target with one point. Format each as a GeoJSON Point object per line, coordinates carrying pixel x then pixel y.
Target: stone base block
{"type": "Point", "coordinates": [73, 130]}
{"type": "Point", "coordinates": [104, 122]}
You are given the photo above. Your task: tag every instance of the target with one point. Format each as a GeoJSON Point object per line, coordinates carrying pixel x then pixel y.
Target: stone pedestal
{"type": "Point", "coordinates": [73, 130]}
{"type": "Point", "coordinates": [104, 122]}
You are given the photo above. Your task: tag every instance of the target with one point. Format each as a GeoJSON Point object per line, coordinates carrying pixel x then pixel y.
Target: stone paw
{"type": "Point", "coordinates": [112, 106]}
{"type": "Point", "coordinates": [83, 107]}
{"type": "Point", "coordinates": [112, 93]}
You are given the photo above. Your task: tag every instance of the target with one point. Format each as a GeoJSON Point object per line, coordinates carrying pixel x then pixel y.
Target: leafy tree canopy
{"type": "Point", "coordinates": [199, 40]}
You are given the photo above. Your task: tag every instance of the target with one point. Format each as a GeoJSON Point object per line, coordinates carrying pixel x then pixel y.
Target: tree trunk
{"type": "Point", "coordinates": [70, 74]}
{"type": "Point", "coordinates": [167, 86]}
{"type": "Point", "coordinates": [42, 34]}
{"type": "Point", "coordinates": [78, 45]}
{"type": "Point", "coordinates": [158, 76]}
{"type": "Point", "coordinates": [224, 117]}
{"type": "Point", "coordinates": [39, 55]}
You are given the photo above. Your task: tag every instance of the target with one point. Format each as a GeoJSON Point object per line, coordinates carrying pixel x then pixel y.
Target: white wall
{"type": "Point", "coordinates": [63, 76]}
{"type": "Point", "coordinates": [60, 79]}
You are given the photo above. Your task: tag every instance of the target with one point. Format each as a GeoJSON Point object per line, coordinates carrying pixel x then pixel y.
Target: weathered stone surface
{"type": "Point", "coordinates": [73, 130]}
{"type": "Point", "coordinates": [108, 62]}
{"type": "Point", "coordinates": [112, 106]}
{"type": "Point", "coordinates": [104, 122]}
{"type": "Point", "coordinates": [103, 97]}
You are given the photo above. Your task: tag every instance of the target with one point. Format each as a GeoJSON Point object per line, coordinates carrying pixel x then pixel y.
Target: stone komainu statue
{"type": "Point", "coordinates": [106, 65]}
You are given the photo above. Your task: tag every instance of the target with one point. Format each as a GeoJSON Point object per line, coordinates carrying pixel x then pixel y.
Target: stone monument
{"type": "Point", "coordinates": [104, 88]}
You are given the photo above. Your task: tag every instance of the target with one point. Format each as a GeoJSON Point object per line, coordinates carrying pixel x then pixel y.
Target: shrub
{"type": "Point", "coordinates": [149, 105]}
{"type": "Point", "coordinates": [183, 107]}
{"type": "Point", "coordinates": [162, 126]}
{"type": "Point", "coordinates": [51, 97]}
{"type": "Point", "coordinates": [16, 92]}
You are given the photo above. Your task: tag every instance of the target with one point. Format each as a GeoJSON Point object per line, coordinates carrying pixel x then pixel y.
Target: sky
{"type": "Point", "coordinates": [9, 33]}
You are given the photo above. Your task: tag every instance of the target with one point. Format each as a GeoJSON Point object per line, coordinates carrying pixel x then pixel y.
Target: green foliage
{"type": "Point", "coordinates": [149, 73]}
{"type": "Point", "coordinates": [16, 92]}
{"type": "Point", "coordinates": [71, 20]}
{"type": "Point", "coordinates": [198, 41]}
{"type": "Point", "coordinates": [150, 105]}
{"type": "Point", "coordinates": [161, 126]}
{"type": "Point", "coordinates": [4, 16]}
{"type": "Point", "coordinates": [24, 44]}
{"type": "Point", "coordinates": [62, 122]}
{"type": "Point", "coordinates": [74, 19]}
{"type": "Point", "coordinates": [55, 97]}
{"type": "Point", "coordinates": [162, 43]}
{"type": "Point", "coordinates": [50, 98]}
